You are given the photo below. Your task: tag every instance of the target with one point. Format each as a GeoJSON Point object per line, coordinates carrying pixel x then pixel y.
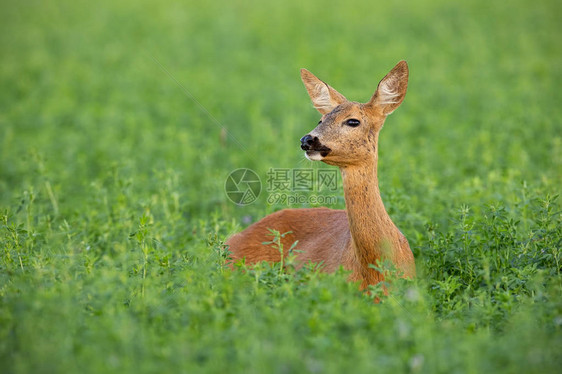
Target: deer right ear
{"type": "Point", "coordinates": [324, 97]}
{"type": "Point", "coordinates": [391, 89]}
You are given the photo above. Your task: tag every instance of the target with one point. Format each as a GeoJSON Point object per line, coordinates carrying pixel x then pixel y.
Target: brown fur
{"type": "Point", "coordinates": [363, 233]}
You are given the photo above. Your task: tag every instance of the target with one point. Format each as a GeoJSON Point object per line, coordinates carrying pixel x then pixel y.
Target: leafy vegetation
{"type": "Point", "coordinates": [120, 122]}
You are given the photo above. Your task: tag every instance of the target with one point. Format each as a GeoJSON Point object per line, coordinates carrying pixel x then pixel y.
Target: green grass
{"type": "Point", "coordinates": [113, 160]}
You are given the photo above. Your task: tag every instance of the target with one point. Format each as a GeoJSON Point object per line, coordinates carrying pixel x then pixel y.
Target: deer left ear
{"type": "Point", "coordinates": [324, 97]}
{"type": "Point", "coordinates": [391, 89]}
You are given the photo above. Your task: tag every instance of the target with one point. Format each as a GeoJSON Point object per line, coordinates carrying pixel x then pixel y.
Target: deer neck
{"type": "Point", "coordinates": [371, 228]}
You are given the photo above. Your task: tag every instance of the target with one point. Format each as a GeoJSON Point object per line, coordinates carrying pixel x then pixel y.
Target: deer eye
{"type": "Point", "coordinates": [352, 122]}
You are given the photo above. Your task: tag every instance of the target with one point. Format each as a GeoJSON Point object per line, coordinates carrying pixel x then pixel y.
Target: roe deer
{"type": "Point", "coordinates": [347, 137]}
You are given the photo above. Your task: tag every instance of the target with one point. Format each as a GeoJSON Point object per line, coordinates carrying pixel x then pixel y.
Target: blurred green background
{"type": "Point", "coordinates": [120, 121]}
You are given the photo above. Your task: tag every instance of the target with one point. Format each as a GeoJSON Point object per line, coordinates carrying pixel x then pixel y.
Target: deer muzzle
{"type": "Point", "coordinates": [311, 144]}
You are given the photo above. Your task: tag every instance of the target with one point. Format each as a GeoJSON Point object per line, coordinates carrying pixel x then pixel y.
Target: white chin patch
{"type": "Point", "coordinates": [313, 156]}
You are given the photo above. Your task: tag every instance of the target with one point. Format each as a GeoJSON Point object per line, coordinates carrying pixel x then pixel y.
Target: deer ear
{"type": "Point", "coordinates": [391, 89]}
{"type": "Point", "coordinates": [324, 97]}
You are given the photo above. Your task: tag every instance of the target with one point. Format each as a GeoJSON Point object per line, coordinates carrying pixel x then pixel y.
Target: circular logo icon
{"type": "Point", "coordinates": [242, 186]}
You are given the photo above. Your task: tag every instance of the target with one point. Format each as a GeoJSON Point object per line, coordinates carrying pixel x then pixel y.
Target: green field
{"type": "Point", "coordinates": [120, 122]}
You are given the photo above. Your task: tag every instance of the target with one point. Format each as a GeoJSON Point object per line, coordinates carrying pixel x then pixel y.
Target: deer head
{"type": "Point", "coordinates": [347, 133]}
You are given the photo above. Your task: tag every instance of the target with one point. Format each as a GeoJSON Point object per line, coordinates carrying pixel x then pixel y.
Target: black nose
{"type": "Point", "coordinates": [307, 141]}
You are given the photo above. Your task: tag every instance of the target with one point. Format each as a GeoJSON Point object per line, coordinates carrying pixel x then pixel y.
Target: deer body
{"type": "Point", "coordinates": [363, 233]}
